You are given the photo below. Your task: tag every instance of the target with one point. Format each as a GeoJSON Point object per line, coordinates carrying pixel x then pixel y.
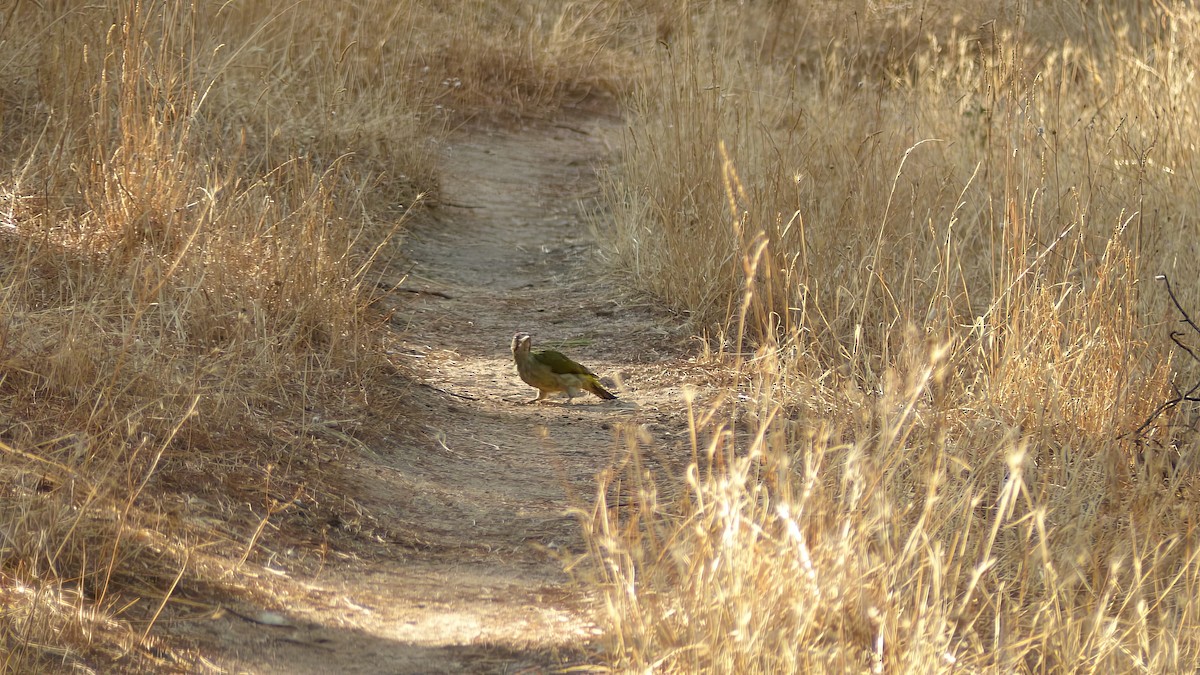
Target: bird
{"type": "Point", "coordinates": [550, 372]}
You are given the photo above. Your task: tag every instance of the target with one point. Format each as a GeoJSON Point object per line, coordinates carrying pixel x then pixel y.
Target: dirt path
{"type": "Point", "coordinates": [483, 495]}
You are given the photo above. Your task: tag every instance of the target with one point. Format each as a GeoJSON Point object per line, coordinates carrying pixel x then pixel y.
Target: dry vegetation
{"type": "Point", "coordinates": [192, 197]}
{"type": "Point", "coordinates": [921, 237]}
{"type": "Point", "coordinates": [924, 237]}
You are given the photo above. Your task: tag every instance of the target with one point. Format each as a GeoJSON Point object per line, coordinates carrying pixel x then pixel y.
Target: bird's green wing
{"type": "Point", "coordinates": [560, 364]}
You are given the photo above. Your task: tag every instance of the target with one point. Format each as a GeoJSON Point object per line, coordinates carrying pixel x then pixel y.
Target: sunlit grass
{"type": "Point", "coordinates": [936, 230]}
{"type": "Point", "coordinates": [920, 239]}
{"type": "Point", "coordinates": [192, 197]}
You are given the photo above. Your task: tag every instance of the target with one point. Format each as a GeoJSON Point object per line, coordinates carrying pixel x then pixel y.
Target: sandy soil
{"type": "Point", "coordinates": [483, 490]}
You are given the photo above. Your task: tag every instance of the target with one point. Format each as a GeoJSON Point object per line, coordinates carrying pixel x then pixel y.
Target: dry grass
{"type": "Point", "coordinates": [191, 198]}
{"type": "Point", "coordinates": [924, 237]}
{"type": "Point", "coordinates": [921, 236]}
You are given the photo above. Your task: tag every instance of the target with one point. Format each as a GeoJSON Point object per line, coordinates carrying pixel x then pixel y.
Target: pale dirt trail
{"type": "Point", "coordinates": [482, 494]}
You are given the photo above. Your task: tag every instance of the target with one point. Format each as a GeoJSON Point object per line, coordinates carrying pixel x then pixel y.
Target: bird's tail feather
{"type": "Point", "coordinates": [593, 385]}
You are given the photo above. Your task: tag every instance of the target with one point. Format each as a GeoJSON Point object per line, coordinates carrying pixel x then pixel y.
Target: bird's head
{"type": "Point", "coordinates": [521, 341]}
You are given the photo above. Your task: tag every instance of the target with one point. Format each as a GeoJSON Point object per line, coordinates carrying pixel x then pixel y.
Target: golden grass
{"type": "Point", "coordinates": [920, 236]}
{"type": "Point", "coordinates": [923, 238]}
{"type": "Point", "coordinates": [191, 198]}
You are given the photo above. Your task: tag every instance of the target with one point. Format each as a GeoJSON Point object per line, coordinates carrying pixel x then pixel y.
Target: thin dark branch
{"type": "Point", "coordinates": [1177, 338]}
{"type": "Point", "coordinates": [449, 393]}
{"type": "Point", "coordinates": [1186, 319]}
{"type": "Point", "coordinates": [420, 291]}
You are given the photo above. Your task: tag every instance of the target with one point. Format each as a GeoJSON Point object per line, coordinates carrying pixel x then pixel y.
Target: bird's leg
{"type": "Point", "coordinates": [541, 395]}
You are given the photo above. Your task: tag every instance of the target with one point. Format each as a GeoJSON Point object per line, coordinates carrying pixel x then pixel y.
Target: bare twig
{"type": "Point", "coordinates": [1177, 338]}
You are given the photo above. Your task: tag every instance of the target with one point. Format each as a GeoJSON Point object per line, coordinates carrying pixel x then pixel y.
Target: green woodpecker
{"type": "Point", "coordinates": [549, 371]}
